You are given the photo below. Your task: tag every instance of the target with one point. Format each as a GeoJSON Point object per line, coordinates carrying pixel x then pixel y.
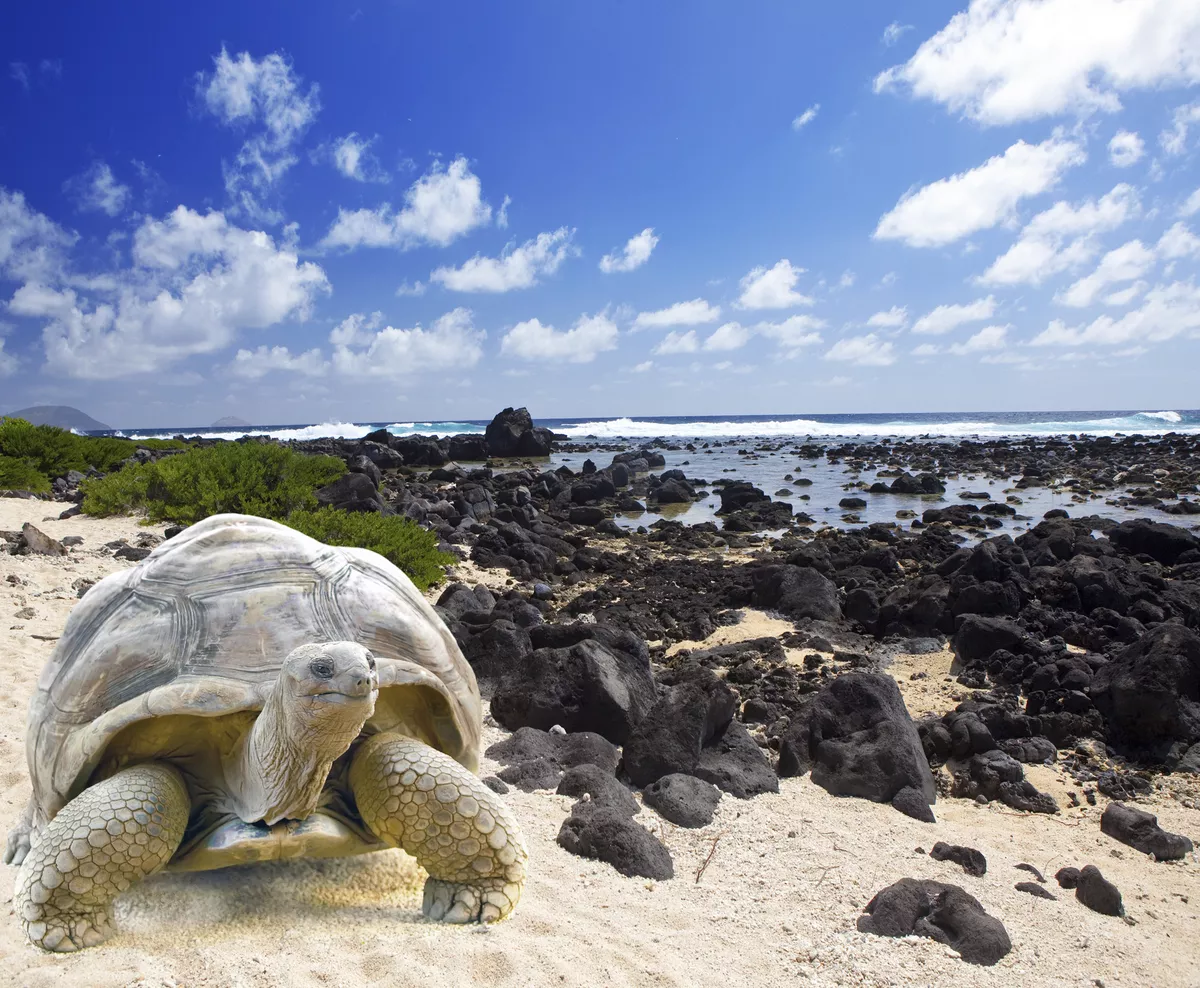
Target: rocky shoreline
{"type": "Point", "coordinates": [1074, 644]}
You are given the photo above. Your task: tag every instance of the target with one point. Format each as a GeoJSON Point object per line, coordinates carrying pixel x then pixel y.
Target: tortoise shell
{"type": "Point", "coordinates": [201, 627]}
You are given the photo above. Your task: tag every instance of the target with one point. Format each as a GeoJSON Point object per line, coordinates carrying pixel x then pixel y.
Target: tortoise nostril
{"type": "Point", "coordinates": [321, 668]}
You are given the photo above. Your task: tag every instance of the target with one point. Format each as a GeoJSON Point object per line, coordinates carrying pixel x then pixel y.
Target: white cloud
{"type": "Point", "coordinates": [441, 206]}
{"type": "Point", "coordinates": [591, 335]}
{"type": "Point", "coordinates": [846, 280]}
{"type": "Point", "coordinates": [892, 318]}
{"type": "Point", "coordinates": [1006, 61]}
{"type": "Point", "coordinates": [1126, 148]}
{"type": "Point", "coordinates": [945, 318]}
{"type": "Point", "coordinates": [694, 313]}
{"type": "Point", "coordinates": [644, 366]}
{"type": "Point", "coordinates": [1192, 205]}
{"type": "Point", "coordinates": [807, 117]}
{"type": "Point", "coordinates": [772, 288]}
{"type": "Point", "coordinates": [199, 280]}
{"type": "Point", "coordinates": [98, 191]}
{"type": "Point", "coordinates": [1167, 311]}
{"type": "Point", "coordinates": [894, 32]}
{"type": "Point", "coordinates": [866, 351]}
{"type": "Point", "coordinates": [926, 350]}
{"type": "Point", "coordinates": [1126, 263]}
{"type": "Point", "coordinates": [988, 338]}
{"type": "Point", "coordinates": [634, 254]}
{"type": "Point", "coordinates": [954, 207]}
{"type": "Point", "coordinates": [253, 364]}
{"type": "Point", "coordinates": [8, 363]}
{"type": "Point", "coordinates": [267, 97]}
{"type": "Point", "coordinates": [1174, 141]}
{"type": "Point", "coordinates": [675, 342]}
{"type": "Point", "coordinates": [32, 246]}
{"type": "Point", "coordinates": [730, 336]}
{"type": "Point", "coordinates": [1125, 295]}
{"type": "Point", "coordinates": [502, 213]}
{"type": "Point", "coordinates": [515, 268]}
{"type": "Point", "coordinates": [353, 158]}
{"type": "Point", "coordinates": [793, 334]}
{"type": "Point", "coordinates": [1178, 242]}
{"type": "Point", "coordinates": [1060, 238]}
{"type": "Point", "coordinates": [452, 343]}
{"type": "Point", "coordinates": [414, 290]}
{"type": "Point", "coordinates": [19, 71]}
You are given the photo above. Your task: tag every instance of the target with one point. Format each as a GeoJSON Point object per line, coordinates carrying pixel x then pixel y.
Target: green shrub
{"type": "Point", "coordinates": [17, 475]}
{"type": "Point", "coordinates": [51, 451]}
{"type": "Point", "coordinates": [247, 478]}
{"type": "Point", "coordinates": [399, 540]}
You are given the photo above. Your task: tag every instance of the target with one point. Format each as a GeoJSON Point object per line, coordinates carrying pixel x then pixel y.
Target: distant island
{"type": "Point", "coordinates": [230, 421]}
{"type": "Point", "coordinates": [63, 416]}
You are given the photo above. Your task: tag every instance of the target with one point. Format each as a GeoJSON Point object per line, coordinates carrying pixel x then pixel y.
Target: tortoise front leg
{"type": "Point", "coordinates": [420, 799]}
{"type": "Point", "coordinates": [109, 836]}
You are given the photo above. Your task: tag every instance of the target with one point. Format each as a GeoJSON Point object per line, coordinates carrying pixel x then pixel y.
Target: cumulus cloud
{"type": "Point", "coordinates": [676, 342]}
{"type": "Point", "coordinates": [517, 267]}
{"type": "Point", "coordinates": [894, 32]}
{"type": "Point", "coordinates": [794, 334]}
{"type": "Point", "coordinates": [532, 340]}
{"type": "Point", "coordinates": [988, 338]}
{"type": "Point", "coordinates": [945, 318]}
{"type": "Point", "coordinates": [1178, 242]}
{"type": "Point", "coordinates": [807, 117]}
{"type": "Point", "coordinates": [1174, 141]}
{"type": "Point", "coordinates": [441, 206]}
{"type": "Point", "coordinates": [866, 351]}
{"type": "Point", "coordinates": [634, 254]}
{"type": "Point", "coordinates": [1126, 263]}
{"type": "Point", "coordinates": [1191, 205]}
{"type": "Point", "coordinates": [32, 246]}
{"type": "Point", "coordinates": [264, 97]}
{"type": "Point", "coordinates": [893, 318]}
{"type": "Point", "coordinates": [952, 208]}
{"type": "Point", "coordinates": [772, 288]}
{"type": "Point", "coordinates": [926, 350]}
{"type": "Point", "coordinates": [8, 362]}
{"type": "Point", "coordinates": [98, 191]}
{"type": "Point", "coordinates": [1167, 311]}
{"type": "Point", "coordinates": [363, 350]}
{"type": "Point", "coordinates": [253, 364]}
{"type": "Point", "coordinates": [730, 336]}
{"type": "Point", "coordinates": [1061, 237]}
{"type": "Point", "coordinates": [415, 290]}
{"type": "Point", "coordinates": [697, 312]}
{"type": "Point", "coordinates": [198, 280]}
{"type": "Point", "coordinates": [1001, 62]}
{"type": "Point", "coordinates": [352, 156]}
{"type": "Point", "coordinates": [1126, 148]}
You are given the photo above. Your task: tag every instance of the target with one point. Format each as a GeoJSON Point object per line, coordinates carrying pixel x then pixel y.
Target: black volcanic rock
{"type": "Point", "coordinates": [608, 835]}
{"type": "Point", "coordinates": [683, 799]}
{"type": "Point", "coordinates": [1140, 830]}
{"type": "Point", "coordinates": [797, 591]}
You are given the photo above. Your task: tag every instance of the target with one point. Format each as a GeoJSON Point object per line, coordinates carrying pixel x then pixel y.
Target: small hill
{"type": "Point", "coordinates": [230, 421]}
{"type": "Point", "coordinates": [63, 416]}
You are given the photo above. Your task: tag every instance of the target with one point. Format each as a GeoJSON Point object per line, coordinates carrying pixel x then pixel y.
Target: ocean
{"type": "Point", "coordinates": [960, 425]}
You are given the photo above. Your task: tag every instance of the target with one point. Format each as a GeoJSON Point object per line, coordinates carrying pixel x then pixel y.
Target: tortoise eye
{"type": "Point", "coordinates": [321, 668]}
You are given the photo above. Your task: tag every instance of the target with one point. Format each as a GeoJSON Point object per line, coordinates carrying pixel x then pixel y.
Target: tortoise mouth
{"type": "Point", "coordinates": [339, 696]}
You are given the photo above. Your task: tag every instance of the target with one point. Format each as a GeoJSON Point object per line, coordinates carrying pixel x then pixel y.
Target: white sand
{"type": "Point", "coordinates": [769, 910]}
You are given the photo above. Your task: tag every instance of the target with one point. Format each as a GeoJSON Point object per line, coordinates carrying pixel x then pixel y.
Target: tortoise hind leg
{"type": "Point", "coordinates": [420, 799]}
{"type": "Point", "coordinates": [109, 836]}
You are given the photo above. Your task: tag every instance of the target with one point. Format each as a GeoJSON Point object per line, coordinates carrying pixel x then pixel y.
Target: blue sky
{"type": "Point", "coordinates": [395, 211]}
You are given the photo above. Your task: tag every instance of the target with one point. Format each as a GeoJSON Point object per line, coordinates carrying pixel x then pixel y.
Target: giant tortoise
{"type": "Point", "coordinates": [246, 693]}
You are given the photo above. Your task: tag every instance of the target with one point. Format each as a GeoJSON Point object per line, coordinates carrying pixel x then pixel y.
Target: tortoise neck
{"type": "Point", "coordinates": [282, 764]}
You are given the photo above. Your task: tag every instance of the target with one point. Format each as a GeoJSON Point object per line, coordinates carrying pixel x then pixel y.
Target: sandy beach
{"type": "Point", "coordinates": [787, 875]}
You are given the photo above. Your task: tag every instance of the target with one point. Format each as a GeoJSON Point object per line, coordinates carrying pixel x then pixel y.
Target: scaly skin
{"type": "Point", "coordinates": [108, 837]}
{"type": "Point", "coordinates": [423, 801]}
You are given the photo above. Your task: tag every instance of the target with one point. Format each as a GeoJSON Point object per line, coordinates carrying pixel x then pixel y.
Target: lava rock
{"type": "Point", "coordinates": [603, 788]}
{"type": "Point", "coordinates": [1097, 893]}
{"type": "Point", "coordinates": [38, 543]}
{"type": "Point", "coordinates": [1165, 543]}
{"type": "Point", "coordinates": [1067, 878]}
{"type": "Point", "coordinates": [351, 492]}
{"type": "Point", "coordinates": [799, 592]}
{"type": "Point", "coordinates": [734, 763]}
{"type": "Point", "coordinates": [945, 913]}
{"type": "Point", "coordinates": [977, 637]}
{"type": "Point", "coordinates": [606, 835]}
{"type": "Point", "coordinates": [1034, 889]}
{"type": "Point", "coordinates": [586, 687]}
{"type": "Point", "coordinates": [683, 799]}
{"type": "Point", "coordinates": [1140, 830]}
{"type": "Point", "coordinates": [565, 750]}
{"type": "Point", "coordinates": [973, 862]}
{"type": "Point", "coordinates": [911, 802]}
{"type": "Point", "coordinates": [531, 775]}
{"type": "Point", "coordinates": [857, 738]}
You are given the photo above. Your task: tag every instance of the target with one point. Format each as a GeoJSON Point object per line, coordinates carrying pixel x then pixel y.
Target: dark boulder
{"type": "Point", "coordinates": [1140, 830]}
{"type": "Point", "coordinates": [468, 448]}
{"type": "Point", "coordinates": [977, 637]}
{"type": "Point", "coordinates": [944, 913]}
{"type": "Point", "coordinates": [797, 591]}
{"type": "Point", "coordinates": [1165, 543]}
{"type": "Point", "coordinates": [734, 763]}
{"type": "Point", "coordinates": [1150, 692]}
{"type": "Point", "coordinates": [1097, 893]}
{"type": "Point", "coordinates": [997, 776]}
{"type": "Point", "coordinates": [512, 433]}
{"type": "Point", "coordinates": [351, 492]}
{"type": "Point", "coordinates": [683, 799]}
{"type": "Point", "coordinates": [607, 835]}
{"type": "Point", "coordinates": [670, 738]}
{"type": "Point", "coordinates": [973, 862]}
{"type": "Point", "coordinates": [565, 750]}
{"type": "Point", "coordinates": [857, 738]}
{"type": "Point", "coordinates": [586, 687]}
{"type": "Point", "coordinates": [601, 787]}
